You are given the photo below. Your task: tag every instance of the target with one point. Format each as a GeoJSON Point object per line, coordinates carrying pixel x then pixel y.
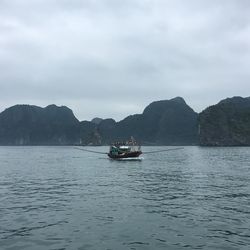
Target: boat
{"type": "Point", "coordinates": [126, 151]}
{"type": "Point", "coordinates": [129, 150]}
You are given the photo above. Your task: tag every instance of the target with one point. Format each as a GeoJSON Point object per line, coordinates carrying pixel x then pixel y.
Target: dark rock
{"type": "Point", "coordinates": [226, 123]}
{"type": "Point", "coordinates": [168, 122]}
{"type": "Point", "coordinates": [97, 120]}
{"type": "Point", "coordinates": [89, 134]}
{"type": "Point", "coordinates": [32, 125]}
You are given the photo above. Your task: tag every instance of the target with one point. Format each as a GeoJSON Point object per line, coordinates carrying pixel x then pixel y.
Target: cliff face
{"type": "Point", "coordinates": [172, 122]}
{"type": "Point", "coordinates": [226, 123]}
{"type": "Point", "coordinates": [32, 125]}
{"type": "Point", "coordinates": [168, 122]}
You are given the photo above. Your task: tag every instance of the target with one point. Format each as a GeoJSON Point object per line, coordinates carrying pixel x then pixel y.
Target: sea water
{"type": "Point", "coordinates": [62, 198]}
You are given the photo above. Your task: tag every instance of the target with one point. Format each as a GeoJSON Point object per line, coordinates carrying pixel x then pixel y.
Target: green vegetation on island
{"type": "Point", "coordinates": [166, 122]}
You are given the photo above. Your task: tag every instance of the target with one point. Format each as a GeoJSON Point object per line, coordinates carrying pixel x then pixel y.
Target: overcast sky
{"type": "Point", "coordinates": [111, 58]}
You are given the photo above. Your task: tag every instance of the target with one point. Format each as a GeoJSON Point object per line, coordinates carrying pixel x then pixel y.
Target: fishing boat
{"type": "Point", "coordinates": [126, 150]}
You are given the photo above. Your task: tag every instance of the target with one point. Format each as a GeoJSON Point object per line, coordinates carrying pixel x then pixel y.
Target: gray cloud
{"type": "Point", "coordinates": [110, 58]}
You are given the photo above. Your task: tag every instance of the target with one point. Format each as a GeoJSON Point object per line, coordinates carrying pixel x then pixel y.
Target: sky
{"type": "Point", "coordinates": [111, 58]}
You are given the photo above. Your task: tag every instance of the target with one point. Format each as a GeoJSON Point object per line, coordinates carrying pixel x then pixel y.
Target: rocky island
{"type": "Point", "coordinates": [165, 122]}
{"type": "Point", "coordinates": [226, 123]}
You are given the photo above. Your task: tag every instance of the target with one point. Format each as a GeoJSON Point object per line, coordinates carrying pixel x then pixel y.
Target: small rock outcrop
{"type": "Point", "coordinates": [96, 120]}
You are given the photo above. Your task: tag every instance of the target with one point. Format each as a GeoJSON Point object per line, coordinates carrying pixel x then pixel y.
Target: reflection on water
{"type": "Point", "coordinates": [61, 198]}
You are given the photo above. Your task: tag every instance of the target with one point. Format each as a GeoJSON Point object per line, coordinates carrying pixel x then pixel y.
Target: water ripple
{"type": "Point", "coordinates": [60, 198]}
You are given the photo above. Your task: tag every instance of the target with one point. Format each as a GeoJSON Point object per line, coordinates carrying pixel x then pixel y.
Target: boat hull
{"type": "Point", "coordinates": [134, 154]}
{"type": "Point", "coordinates": [127, 159]}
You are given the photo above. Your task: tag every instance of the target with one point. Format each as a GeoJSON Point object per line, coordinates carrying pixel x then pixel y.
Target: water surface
{"type": "Point", "coordinates": [61, 198]}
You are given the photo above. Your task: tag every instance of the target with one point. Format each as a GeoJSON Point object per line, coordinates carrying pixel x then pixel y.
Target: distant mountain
{"type": "Point", "coordinates": [89, 134]}
{"type": "Point", "coordinates": [96, 120]}
{"type": "Point", "coordinates": [107, 130]}
{"type": "Point", "coordinates": [32, 125]}
{"type": "Point", "coordinates": [168, 122]}
{"type": "Point", "coordinates": [226, 123]}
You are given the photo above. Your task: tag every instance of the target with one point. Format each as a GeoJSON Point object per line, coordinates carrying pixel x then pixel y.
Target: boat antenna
{"type": "Point", "coordinates": [157, 151]}
{"type": "Point", "coordinates": [91, 151]}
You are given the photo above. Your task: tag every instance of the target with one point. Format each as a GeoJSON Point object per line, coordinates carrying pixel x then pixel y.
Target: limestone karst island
{"type": "Point", "coordinates": [165, 122]}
